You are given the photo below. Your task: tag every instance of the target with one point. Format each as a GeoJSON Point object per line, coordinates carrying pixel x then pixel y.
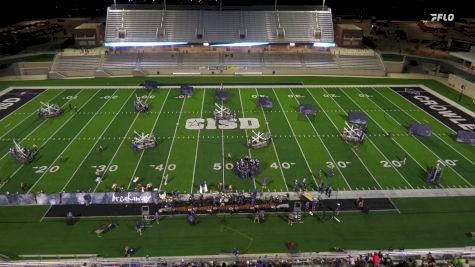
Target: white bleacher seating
{"type": "Point", "coordinates": [360, 62]}
{"type": "Point", "coordinates": [77, 63]}
{"type": "Point", "coordinates": [120, 61]}
{"type": "Point", "coordinates": [159, 60]}
{"type": "Point", "coordinates": [183, 25]}
{"type": "Point", "coordinates": [320, 61]}
{"type": "Point", "coordinates": [282, 60]}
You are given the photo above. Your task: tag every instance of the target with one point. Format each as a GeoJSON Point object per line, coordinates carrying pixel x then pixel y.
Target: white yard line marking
{"type": "Point", "coordinates": [171, 146]}
{"type": "Point", "coordinates": [197, 143]}
{"type": "Point", "coordinates": [151, 131]}
{"type": "Point", "coordinates": [31, 114]}
{"type": "Point", "coordinates": [43, 217]}
{"type": "Point", "coordinates": [118, 147]}
{"type": "Point", "coordinates": [47, 140]}
{"type": "Point", "coordinates": [374, 89]}
{"type": "Point", "coordinates": [222, 151]}
{"type": "Point", "coordinates": [95, 144]}
{"type": "Point", "coordinates": [430, 150]}
{"type": "Point", "coordinates": [39, 125]}
{"type": "Point", "coordinates": [273, 145]}
{"type": "Point", "coordinates": [385, 132]}
{"type": "Point", "coordinates": [323, 143]}
{"type": "Point", "coordinates": [80, 131]}
{"type": "Point", "coordinates": [247, 137]}
{"type": "Point", "coordinates": [374, 145]}
{"type": "Point", "coordinates": [293, 133]}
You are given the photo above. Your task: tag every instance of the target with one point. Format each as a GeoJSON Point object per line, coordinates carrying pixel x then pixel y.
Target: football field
{"type": "Point", "coordinates": [68, 156]}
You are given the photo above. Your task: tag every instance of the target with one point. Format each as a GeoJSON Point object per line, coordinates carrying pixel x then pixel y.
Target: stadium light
{"type": "Point", "coordinates": [205, 44]}
{"type": "Point", "coordinates": [142, 44]}
{"type": "Point", "coordinates": [241, 44]}
{"type": "Point", "coordinates": [292, 44]}
{"type": "Point", "coordinates": [323, 44]}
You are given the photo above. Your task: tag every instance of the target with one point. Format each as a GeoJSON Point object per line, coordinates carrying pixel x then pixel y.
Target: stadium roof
{"type": "Point", "coordinates": [130, 25]}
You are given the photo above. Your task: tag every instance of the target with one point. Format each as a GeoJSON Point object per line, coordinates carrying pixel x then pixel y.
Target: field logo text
{"type": "Point", "coordinates": [212, 124]}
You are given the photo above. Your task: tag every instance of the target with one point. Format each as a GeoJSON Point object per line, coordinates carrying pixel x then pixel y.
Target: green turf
{"type": "Point", "coordinates": [425, 222]}
{"type": "Point", "coordinates": [121, 81]}
{"type": "Point", "coordinates": [301, 147]}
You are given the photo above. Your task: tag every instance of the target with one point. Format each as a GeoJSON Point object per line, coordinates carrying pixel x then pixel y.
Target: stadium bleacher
{"type": "Point", "coordinates": [280, 29]}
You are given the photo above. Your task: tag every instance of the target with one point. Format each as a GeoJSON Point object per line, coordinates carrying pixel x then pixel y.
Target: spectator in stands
{"type": "Point", "coordinates": [376, 259]}
{"type": "Point", "coordinates": [351, 260]}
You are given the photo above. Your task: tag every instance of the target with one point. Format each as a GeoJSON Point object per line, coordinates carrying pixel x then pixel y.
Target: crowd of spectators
{"type": "Point", "coordinates": [375, 259]}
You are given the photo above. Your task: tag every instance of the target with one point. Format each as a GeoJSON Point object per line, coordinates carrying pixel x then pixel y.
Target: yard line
{"type": "Point", "coordinates": [247, 138]}
{"type": "Point", "coordinates": [171, 146]}
{"type": "Point", "coordinates": [473, 163]}
{"type": "Point", "coordinates": [295, 138]}
{"type": "Point", "coordinates": [95, 144]}
{"type": "Point", "coordinates": [118, 147]}
{"type": "Point", "coordinates": [321, 140]}
{"type": "Point", "coordinates": [197, 143]}
{"type": "Point", "coordinates": [273, 145]}
{"type": "Point", "coordinates": [43, 217]}
{"type": "Point", "coordinates": [450, 167]}
{"type": "Point", "coordinates": [222, 150]}
{"type": "Point", "coordinates": [372, 144]}
{"type": "Point", "coordinates": [151, 131]}
{"type": "Point", "coordinates": [33, 113]}
{"type": "Point", "coordinates": [47, 140]}
{"type": "Point", "coordinates": [80, 131]}
{"type": "Point", "coordinates": [39, 125]}
{"type": "Point", "coordinates": [385, 132]}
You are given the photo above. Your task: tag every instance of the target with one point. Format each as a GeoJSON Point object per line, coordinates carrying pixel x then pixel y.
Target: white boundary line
{"type": "Point", "coordinates": [39, 125]}
{"type": "Point", "coordinates": [374, 89]}
{"type": "Point", "coordinates": [254, 86]}
{"type": "Point", "coordinates": [119, 147]}
{"type": "Point", "coordinates": [273, 145]}
{"type": "Point", "coordinates": [374, 178]}
{"type": "Point", "coordinates": [165, 168]}
{"type": "Point", "coordinates": [43, 217]}
{"type": "Point", "coordinates": [247, 136]}
{"type": "Point", "coordinates": [321, 141]}
{"type": "Point", "coordinates": [295, 138]}
{"type": "Point", "coordinates": [334, 125]}
{"type": "Point", "coordinates": [385, 132]}
{"type": "Point", "coordinates": [151, 131]}
{"type": "Point", "coordinates": [11, 176]}
{"type": "Point", "coordinates": [197, 143]}
{"type": "Point", "coordinates": [97, 141]}
{"type": "Point", "coordinates": [430, 150]}
{"type": "Point", "coordinates": [72, 141]}
{"type": "Point", "coordinates": [24, 105]}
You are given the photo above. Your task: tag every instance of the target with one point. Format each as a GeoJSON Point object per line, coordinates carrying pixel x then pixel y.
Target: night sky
{"type": "Point", "coordinates": [18, 10]}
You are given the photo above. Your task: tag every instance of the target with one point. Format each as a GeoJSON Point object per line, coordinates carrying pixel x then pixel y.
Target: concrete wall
{"type": "Point", "coordinates": [456, 82]}
{"type": "Point", "coordinates": [255, 71]}
{"type": "Point", "coordinates": [33, 68]}
{"type": "Point", "coordinates": [394, 66]}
